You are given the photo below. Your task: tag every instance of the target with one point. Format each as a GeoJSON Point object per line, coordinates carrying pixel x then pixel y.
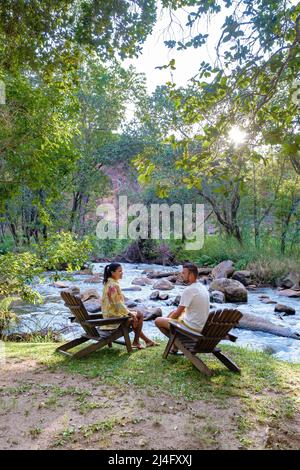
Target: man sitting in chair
{"type": "Point", "coordinates": [193, 308]}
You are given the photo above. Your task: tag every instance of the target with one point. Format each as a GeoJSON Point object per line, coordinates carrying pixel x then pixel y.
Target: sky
{"type": "Point", "coordinates": [156, 53]}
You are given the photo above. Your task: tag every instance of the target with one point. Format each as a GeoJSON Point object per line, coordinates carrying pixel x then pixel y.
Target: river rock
{"type": "Point", "coordinates": [154, 295]}
{"type": "Point", "coordinates": [150, 313]}
{"type": "Point", "coordinates": [268, 301]}
{"type": "Point", "coordinates": [59, 285]}
{"type": "Point", "coordinates": [223, 270]}
{"type": "Point", "coordinates": [176, 301]}
{"type": "Point", "coordinates": [131, 289]}
{"type": "Point", "coordinates": [284, 309]}
{"type": "Point", "coordinates": [289, 293]}
{"type": "Point", "coordinates": [234, 291]}
{"type": "Point", "coordinates": [242, 276]}
{"type": "Point", "coordinates": [161, 274]}
{"type": "Point", "coordinates": [141, 281]}
{"type": "Point", "coordinates": [97, 278]}
{"type": "Point", "coordinates": [290, 281]}
{"type": "Point", "coordinates": [163, 284]}
{"type": "Point", "coordinates": [130, 303]}
{"type": "Point", "coordinates": [163, 296]}
{"type": "Point", "coordinates": [93, 306]}
{"type": "Point", "coordinates": [89, 294]}
{"type": "Point", "coordinates": [217, 297]}
{"type": "Point", "coordinates": [86, 271]}
{"type": "Point", "coordinates": [204, 271]}
{"type": "Point", "coordinates": [74, 290]}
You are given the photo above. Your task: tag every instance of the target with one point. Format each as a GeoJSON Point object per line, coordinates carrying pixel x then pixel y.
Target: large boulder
{"type": "Point", "coordinates": [223, 270]}
{"type": "Point", "coordinates": [141, 281]}
{"type": "Point", "coordinates": [90, 294]}
{"type": "Point", "coordinates": [242, 276]}
{"type": "Point", "coordinates": [234, 291]}
{"type": "Point", "coordinates": [290, 281]}
{"type": "Point", "coordinates": [163, 284]}
{"type": "Point", "coordinates": [285, 309]}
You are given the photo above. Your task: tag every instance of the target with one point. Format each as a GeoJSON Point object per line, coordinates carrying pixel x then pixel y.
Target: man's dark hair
{"type": "Point", "coordinates": [192, 268]}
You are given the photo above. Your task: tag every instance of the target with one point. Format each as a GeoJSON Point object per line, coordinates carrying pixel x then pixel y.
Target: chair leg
{"type": "Point", "coordinates": [127, 339]}
{"type": "Point", "coordinates": [90, 349]}
{"type": "Point", "coordinates": [71, 344]}
{"type": "Point", "coordinates": [226, 361]}
{"type": "Point", "coordinates": [194, 359]}
{"type": "Point", "coordinates": [169, 346]}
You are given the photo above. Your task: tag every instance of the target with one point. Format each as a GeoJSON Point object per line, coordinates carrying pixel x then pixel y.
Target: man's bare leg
{"type": "Point", "coordinates": [164, 326]}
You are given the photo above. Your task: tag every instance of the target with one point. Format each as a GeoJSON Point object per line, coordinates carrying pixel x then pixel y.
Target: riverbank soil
{"type": "Point", "coordinates": [113, 400]}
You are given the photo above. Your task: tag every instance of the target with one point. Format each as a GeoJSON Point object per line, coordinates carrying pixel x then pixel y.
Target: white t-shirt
{"type": "Point", "coordinates": [195, 299]}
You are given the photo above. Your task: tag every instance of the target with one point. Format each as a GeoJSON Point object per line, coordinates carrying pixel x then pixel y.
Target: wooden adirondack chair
{"type": "Point", "coordinates": [216, 328]}
{"type": "Point", "coordinates": [91, 323]}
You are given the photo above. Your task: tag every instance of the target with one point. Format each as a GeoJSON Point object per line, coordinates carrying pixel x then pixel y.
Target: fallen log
{"type": "Point", "coordinates": [255, 323]}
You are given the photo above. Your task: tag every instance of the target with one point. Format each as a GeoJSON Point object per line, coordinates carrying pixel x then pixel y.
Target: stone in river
{"type": "Point", "coordinates": [163, 296]}
{"type": "Point", "coordinates": [289, 293]}
{"type": "Point", "coordinates": [90, 294]}
{"type": "Point", "coordinates": [267, 300]}
{"type": "Point", "coordinates": [284, 309]}
{"type": "Point", "coordinates": [141, 281]}
{"type": "Point", "coordinates": [132, 288]}
{"type": "Point", "coordinates": [59, 285]}
{"type": "Point", "coordinates": [217, 296]}
{"type": "Point", "coordinates": [97, 278]}
{"type": "Point", "coordinates": [150, 313]}
{"type": "Point", "coordinates": [242, 276]}
{"type": "Point", "coordinates": [154, 295]}
{"type": "Point", "coordinates": [223, 270]}
{"type": "Point", "coordinates": [74, 290]}
{"type": "Point", "coordinates": [163, 284]}
{"type": "Point", "coordinates": [93, 306]}
{"type": "Point", "coordinates": [234, 291]}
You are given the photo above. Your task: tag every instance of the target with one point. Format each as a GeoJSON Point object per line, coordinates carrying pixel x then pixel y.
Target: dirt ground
{"type": "Point", "coordinates": [44, 409]}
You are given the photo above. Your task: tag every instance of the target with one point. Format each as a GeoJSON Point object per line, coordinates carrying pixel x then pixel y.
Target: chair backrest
{"type": "Point", "coordinates": [218, 324]}
{"type": "Point", "coordinates": [79, 311]}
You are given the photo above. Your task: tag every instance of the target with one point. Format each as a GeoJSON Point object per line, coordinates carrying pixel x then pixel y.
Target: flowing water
{"type": "Point", "coordinates": [53, 314]}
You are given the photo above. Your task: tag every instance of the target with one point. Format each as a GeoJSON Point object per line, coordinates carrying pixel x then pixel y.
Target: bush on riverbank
{"type": "Point", "coordinates": [266, 263]}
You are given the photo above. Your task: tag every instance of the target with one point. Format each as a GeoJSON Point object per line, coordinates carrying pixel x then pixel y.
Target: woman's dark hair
{"type": "Point", "coordinates": [108, 270]}
{"type": "Point", "coordinates": [192, 268]}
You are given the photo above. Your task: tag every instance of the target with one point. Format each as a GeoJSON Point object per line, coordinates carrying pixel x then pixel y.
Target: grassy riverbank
{"type": "Point", "coordinates": [110, 397]}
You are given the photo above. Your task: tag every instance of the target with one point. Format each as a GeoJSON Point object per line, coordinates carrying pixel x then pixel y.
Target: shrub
{"type": "Point", "coordinates": [64, 251]}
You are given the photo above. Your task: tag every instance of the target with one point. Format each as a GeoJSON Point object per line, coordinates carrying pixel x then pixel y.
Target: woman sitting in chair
{"type": "Point", "coordinates": [113, 305]}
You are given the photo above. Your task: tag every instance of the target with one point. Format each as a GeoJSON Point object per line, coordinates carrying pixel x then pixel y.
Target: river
{"type": "Point", "coordinates": [53, 314]}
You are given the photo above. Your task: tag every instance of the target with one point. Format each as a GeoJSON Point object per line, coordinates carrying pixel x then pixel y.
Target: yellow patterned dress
{"type": "Point", "coordinates": [113, 303]}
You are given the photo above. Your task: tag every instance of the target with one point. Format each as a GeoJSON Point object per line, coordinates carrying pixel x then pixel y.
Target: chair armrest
{"type": "Point", "coordinates": [96, 316]}
{"type": "Point", "coordinates": [106, 321]}
{"type": "Point", "coordinates": [231, 337]}
{"type": "Point", "coordinates": [185, 330]}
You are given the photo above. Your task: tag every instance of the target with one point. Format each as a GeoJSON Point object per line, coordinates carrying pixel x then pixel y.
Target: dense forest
{"type": "Point", "coordinates": [229, 139]}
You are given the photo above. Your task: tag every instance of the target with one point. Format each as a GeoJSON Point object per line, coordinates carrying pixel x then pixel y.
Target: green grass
{"type": "Point", "coordinates": [266, 391]}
